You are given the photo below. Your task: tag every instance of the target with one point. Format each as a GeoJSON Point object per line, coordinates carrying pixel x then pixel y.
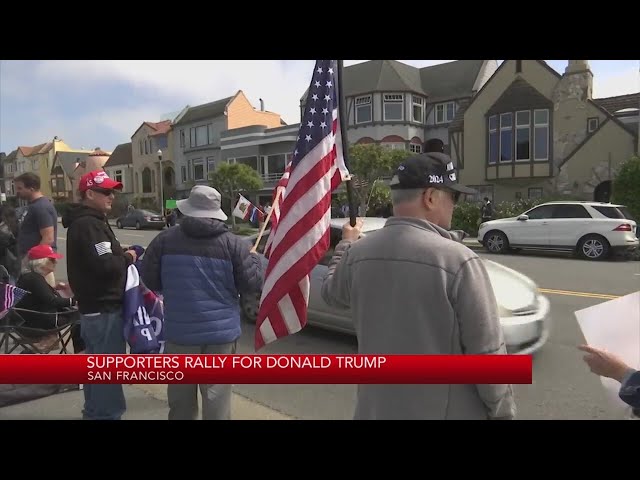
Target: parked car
{"type": "Point", "coordinates": [592, 230]}
{"type": "Point", "coordinates": [141, 219]}
{"type": "Point", "coordinates": [524, 312]}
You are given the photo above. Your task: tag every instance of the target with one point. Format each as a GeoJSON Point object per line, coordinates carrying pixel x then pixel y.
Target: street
{"type": "Point", "coordinates": [563, 387]}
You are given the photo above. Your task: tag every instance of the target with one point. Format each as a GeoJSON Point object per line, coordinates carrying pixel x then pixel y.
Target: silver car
{"type": "Point", "coordinates": [524, 312]}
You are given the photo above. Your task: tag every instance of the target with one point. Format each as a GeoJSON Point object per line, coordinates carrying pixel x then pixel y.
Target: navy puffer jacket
{"type": "Point", "coordinates": [200, 267]}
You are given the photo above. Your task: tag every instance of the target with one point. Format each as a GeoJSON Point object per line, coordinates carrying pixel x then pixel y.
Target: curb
{"type": "Point", "coordinates": [242, 408]}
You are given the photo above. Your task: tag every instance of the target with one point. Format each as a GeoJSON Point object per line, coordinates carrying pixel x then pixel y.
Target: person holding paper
{"type": "Point", "coordinates": [609, 365]}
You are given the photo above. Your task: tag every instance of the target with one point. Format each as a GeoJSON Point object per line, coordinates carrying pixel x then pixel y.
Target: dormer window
{"type": "Point", "coordinates": [592, 124]}
{"type": "Point", "coordinates": [445, 112]}
{"type": "Point", "coordinates": [364, 112]}
{"type": "Point", "coordinates": [393, 106]}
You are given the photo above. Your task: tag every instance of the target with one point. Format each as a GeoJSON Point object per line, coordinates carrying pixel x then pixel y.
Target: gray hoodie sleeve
{"type": "Point", "coordinates": [476, 310]}
{"type": "Point", "coordinates": [336, 285]}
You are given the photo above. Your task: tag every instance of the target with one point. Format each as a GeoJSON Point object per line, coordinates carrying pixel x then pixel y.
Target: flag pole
{"type": "Point", "coordinates": [265, 223]}
{"type": "Point", "coordinates": [345, 143]}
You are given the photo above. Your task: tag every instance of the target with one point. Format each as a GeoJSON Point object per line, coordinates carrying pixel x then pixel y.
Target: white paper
{"type": "Point", "coordinates": [614, 326]}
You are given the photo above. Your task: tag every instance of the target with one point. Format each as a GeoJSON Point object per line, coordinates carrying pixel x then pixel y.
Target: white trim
{"type": "Point", "coordinates": [393, 99]}
{"type": "Point", "coordinates": [261, 134]}
{"type": "Point", "coordinates": [259, 142]}
{"type": "Point", "coordinates": [368, 103]}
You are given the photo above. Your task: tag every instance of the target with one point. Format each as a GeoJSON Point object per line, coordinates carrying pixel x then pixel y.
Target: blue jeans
{"type": "Point", "coordinates": [103, 334]}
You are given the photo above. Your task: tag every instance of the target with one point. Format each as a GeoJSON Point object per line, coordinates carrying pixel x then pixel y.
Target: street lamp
{"type": "Point", "coordinates": [161, 183]}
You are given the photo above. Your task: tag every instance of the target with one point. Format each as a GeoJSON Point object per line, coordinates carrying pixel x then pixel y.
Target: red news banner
{"type": "Point", "coordinates": [266, 369]}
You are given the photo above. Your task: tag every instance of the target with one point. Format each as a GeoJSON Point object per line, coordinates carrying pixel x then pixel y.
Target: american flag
{"type": "Point", "coordinates": [278, 194]}
{"type": "Point", "coordinates": [11, 296]}
{"type": "Point", "coordinates": [301, 236]}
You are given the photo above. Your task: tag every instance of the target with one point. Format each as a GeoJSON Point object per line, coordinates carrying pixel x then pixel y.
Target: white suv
{"type": "Point", "coordinates": [593, 230]}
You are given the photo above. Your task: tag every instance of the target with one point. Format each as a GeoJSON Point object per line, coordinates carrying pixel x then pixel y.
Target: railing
{"type": "Point", "coordinates": [271, 177]}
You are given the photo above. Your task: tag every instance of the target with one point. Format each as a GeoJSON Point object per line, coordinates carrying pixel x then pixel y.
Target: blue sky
{"type": "Point", "coordinates": [100, 103]}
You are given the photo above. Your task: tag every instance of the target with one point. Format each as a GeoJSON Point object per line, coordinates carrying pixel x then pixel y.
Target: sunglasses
{"type": "Point", "coordinates": [104, 191]}
{"type": "Point", "coordinates": [455, 196]}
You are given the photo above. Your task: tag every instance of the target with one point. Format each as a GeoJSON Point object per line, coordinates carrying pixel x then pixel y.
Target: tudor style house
{"type": "Point", "coordinates": [197, 131]}
{"type": "Point", "coordinates": [120, 168]}
{"type": "Point", "coordinates": [401, 106]}
{"type": "Point", "coordinates": [532, 132]}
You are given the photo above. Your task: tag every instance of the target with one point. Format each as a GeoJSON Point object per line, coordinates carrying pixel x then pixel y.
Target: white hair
{"type": "Point", "coordinates": [398, 197]}
{"type": "Point", "coordinates": [36, 265]}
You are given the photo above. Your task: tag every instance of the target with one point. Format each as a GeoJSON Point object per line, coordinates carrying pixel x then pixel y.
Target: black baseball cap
{"type": "Point", "coordinates": [432, 169]}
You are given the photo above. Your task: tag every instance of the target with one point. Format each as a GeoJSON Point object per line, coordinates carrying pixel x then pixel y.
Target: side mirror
{"type": "Point", "coordinates": [523, 217]}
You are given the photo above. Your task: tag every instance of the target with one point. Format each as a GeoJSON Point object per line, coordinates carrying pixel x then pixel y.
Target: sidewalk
{"type": "Point", "coordinates": [144, 402]}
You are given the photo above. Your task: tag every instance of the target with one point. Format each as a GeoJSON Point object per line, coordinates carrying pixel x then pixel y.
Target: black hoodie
{"type": "Point", "coordinates": [96, 263]}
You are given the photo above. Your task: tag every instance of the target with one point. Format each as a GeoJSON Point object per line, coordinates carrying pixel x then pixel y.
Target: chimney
{"type": "Point", "coordinates": [261, 105]}
{"type": "Point", "coordinates": [579, 74]}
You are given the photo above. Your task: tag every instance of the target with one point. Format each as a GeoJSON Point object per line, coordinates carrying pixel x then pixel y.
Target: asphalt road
{"type": "Point", "coordinates": [563, 387]}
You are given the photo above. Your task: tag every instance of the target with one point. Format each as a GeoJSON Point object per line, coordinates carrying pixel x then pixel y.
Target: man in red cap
{"type": "Point", "coordinates": [97, 269]}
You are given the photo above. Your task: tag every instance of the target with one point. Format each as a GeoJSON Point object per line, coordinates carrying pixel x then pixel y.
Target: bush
{"type": "Point", "coordinates": [626, 186]}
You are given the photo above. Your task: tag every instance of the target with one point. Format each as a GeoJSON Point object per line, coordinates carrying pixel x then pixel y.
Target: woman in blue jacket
{"type": "Point", "coordinates": [608, 365]}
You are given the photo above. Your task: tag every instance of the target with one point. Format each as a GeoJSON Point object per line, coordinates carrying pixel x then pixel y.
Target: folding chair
{"type": "Point", "coordinates": [36, 340]}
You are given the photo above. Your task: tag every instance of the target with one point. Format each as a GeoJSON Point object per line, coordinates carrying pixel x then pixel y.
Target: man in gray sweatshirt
{"type": "Point", "coordinates": [414, 288]}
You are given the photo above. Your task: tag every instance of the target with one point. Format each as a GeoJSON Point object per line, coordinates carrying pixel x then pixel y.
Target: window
{"type": "Point", "coordinates": [276, 165]}
{"type": "Point", "coordinates": [415, 148]}
{"type": "Point", "coordinates": [593, 124]}
{"type": "Point", "coordinates": [418, 109]}
{"type": "Point", "coordinates": [535, 193]}
{"type": "Point", "coordinates": [150, 145]}
{"type": "Point", "coordinates": [494, 146]}
{"type": "Point", "coordinates": [146, 147]}
{"type": "Point", "coordinates": [540, 213]}
{"type": "Point", "coordinates": [141, 148]}
{"type": "Point", "coordinates": [118, 176]}
{"type": "Point", "coordinates": [523, 135]}
{"type": "Point", "coordinates": [211, 164]}
{"type": "Point", "coordinates": [611, 212]}
{"type": "Point", "coordinates": [198, 169]}
{"type": "Point", "coordinates": [363, 109]}
{"type": "Point", "coordinates": [483, 191]}
{"type": "Point", "coordinates": [183, 172]}
{"type": "Point", "coordinates": [445, 112]}
{"type": "Point", "coordinates": [393, 107]}
{"type": "Point", "coordinates": [394, 146]}
{"type": "Point", "coordinates": [506, 137]}
{"type": "Point", "coordinates": [146, 180]}
{"type": "Point", "coordinates": [199, 136]}
{"type": "Point", "coordinates": [541, 134]}
{"type": "Point", "coordinates": [182, 139]}
{"type": "Point", "coordinates": [162, 142]}
{"type": "Point", "coordinates": [570, 211]}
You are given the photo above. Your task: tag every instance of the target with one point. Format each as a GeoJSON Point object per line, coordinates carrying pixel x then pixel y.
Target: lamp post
{"type": "Point", "coordinates": [161, 183]}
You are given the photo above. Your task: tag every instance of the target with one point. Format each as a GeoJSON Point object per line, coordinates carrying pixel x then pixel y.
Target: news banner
{"type": "Point", "coordinates": [265, 369]}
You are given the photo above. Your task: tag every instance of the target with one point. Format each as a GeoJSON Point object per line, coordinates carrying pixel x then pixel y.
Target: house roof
{"type": "Point", "coordinates": [122, 155]}
{"type": "Point", "coordinates": [438, 82]}
{"type": "Point", "coordinates": [208, 110]}
{"type": "Point", "coordinates": [161, 128]}
{"type": "Point", "coordinates": [620, 102]}
{"type": "Point", "coordinates": [11, 157]}
{"type": "Point", "coordinates": [99, 153]}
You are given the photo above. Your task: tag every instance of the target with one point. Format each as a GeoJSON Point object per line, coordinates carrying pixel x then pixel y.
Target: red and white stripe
{"type": "Point", "coordinates": [301, 238]}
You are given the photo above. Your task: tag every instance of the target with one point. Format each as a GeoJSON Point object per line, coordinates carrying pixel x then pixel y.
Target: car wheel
{"type": "Point", "coordinates": [593, 247]}
{"type": "Point", "coordinates": [249, 307]}
{"type": "Point", "coordinates": [119, 225]}
{"type": "Point", "coordinates": [496, 242]}
{"type": "Point", "coordinates": [138, 226]}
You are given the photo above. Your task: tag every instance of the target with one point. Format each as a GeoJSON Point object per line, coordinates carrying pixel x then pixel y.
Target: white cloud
{"type": "Point", "coordinates": [154, 87]}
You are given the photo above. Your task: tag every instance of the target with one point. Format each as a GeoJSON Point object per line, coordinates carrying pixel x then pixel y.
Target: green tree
{"type": "Point", "coordinates": [626, 186]}
{"type": "Point", "coordinates": [232, 178]}
{"type": "Point", "coordinates": [369, 164]}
